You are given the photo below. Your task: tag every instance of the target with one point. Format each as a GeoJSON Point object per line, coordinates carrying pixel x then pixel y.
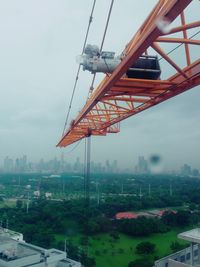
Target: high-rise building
{"type": "Point", "coordinates": [142, 166]}
{"type": "Point", "coordinates": [115, 166]}
{"type": "Point", "coordinates": [195, 172]}
{"type": "Point", "coordinates": [8, 165]}
{"type": "Point", "coordinates": [186, 170]}
{"type": "Point", "coordinates": [62, 163]}
{"type": "Point", "coordinates": [77, 165]}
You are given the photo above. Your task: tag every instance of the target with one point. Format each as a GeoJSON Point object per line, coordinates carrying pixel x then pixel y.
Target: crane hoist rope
{"type": "Point", "coordinates": [79, 67]}
{"type": "Point", "coordinates": [101, 47]}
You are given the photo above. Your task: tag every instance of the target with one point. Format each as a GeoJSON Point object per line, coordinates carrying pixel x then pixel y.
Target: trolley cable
{"type": "Point", "coordinates": [87, 151]}
{"type": "Point", "coordinates": [79, 67]}
{"type": "Point", "coordinates": [78, 70]}
{"type": "Point", "coordinates": [179, 45]}
{"type": "Point", "coordinates": [76, 145]}
{"type": "Point", "coordinates": [101, 47]}
{"type": "Point", "coordinates": [106, 27]}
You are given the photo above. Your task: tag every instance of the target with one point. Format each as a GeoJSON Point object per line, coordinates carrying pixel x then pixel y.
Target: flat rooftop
{"type": "Point", "coordinates": [20, 250]}
{"type": "Point", "coordinates": [9, 233]}
{"type": "Point", "coordinates": [4, 239]}
{"type": "Point", "coordinates": [191, 235]}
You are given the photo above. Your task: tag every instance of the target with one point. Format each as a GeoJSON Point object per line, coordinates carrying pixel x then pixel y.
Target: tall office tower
{"type": "Point", "coordinates": [115, 166]}
{"type": "Point", "coordinates": [108, 167]}
{"type": "Point", "coordinates": [8, 165]}
{"type": "Point", "coordinates": [142, 166]}
{"type": "Point", "coordinates": [77, 165]}
{"type": "Point", "coordinates": [186, 170]}
{"type": "Point", "coordinates": [62, 163]}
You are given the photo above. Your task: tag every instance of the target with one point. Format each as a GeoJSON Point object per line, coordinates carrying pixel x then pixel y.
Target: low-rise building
{"type": "Point", "coordinates": [11, 234]}
{"type": "Point", "coordinates": [18, 253]}
{"type": "Point", "coordinates": [48, 195]}
{"type": "Point", "coordinates": [125, 215]}
{"type": "Point", "coordinates": [190, 256]}
{"type": "Point", "coordinates": [135, 215]}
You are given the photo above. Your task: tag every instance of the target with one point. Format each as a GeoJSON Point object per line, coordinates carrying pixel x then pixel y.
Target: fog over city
{"type": "Point", "coordinates": [40, 40]}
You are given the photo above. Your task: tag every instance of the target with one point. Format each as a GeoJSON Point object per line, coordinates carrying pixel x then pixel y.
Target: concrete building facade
{"type": "Point", "coordinates": [190, 256]}
{"type": "Point", "coordinates": [18, 253]}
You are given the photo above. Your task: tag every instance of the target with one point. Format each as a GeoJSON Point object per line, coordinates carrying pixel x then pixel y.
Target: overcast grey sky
{"type": "Point", "coordinates": [39, 43]}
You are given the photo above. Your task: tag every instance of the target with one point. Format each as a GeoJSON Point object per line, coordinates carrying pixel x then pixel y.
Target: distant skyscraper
{"type": "Point", "coordinates": [62, 163]}
{"type": "Point", "coordinates": [195, 172]}
{"type": "Point", "coordinates": [77, 165]}
{"type": "Point", "coordinates": [115, 166]}
{"type": "Point", "coordinates": [186, 170]}
{"type": "Point", "coordinates": [24, 163]}
{"type": "Point", "coordinates": [8, 165]}
{"type": "Point", "coordinates": [107, 166]}
{"type": "Point", "coordinates": [142, 166]}
{"type": "Point", "coordinates": [17, 165]}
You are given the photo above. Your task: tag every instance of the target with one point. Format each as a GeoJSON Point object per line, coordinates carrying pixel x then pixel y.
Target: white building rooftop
{"type": "Point", "coordinates": [191, 236]}
{"type": "Point", "coordinates": [11, 234]}
{"type": "Point", "coordinates": [16, 253]}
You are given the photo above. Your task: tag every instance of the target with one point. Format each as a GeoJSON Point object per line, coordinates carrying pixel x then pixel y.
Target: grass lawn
{"type": "Point", "coordinates": [8, 203]}
{"type": "Point", "coordinates": [115, 257]}
{"type": "Point", "coordinates": [118, 253]}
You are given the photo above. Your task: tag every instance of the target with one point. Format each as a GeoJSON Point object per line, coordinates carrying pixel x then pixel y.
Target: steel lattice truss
{"type": "Point", "coordinates": [117, 97]}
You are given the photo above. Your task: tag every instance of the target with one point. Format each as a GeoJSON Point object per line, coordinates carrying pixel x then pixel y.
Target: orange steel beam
{"type": "Point", "coordinates": [178, 40]}
{"type": "Point", "coordinates": [185, 27]}
{"type": "Point", "coordinates": [118, 97]}
{"type": "Point", "coordinates": [187, 52]}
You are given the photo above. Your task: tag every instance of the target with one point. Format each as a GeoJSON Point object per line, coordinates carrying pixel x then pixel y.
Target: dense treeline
{"type": "Point", "coordinates": [182, 188]}
{"type": "Point", "coordinates": [45, 218]}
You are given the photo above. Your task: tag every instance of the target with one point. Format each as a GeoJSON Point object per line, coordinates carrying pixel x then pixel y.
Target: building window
{"type": "Point", "coordinates": [188, 256]}
{"type": "Point", "coordinates": [166, 264]}
{"type": "Point", "coordinates": [182, 259]}
{"type": "Point", "coordinates": [196, 253]}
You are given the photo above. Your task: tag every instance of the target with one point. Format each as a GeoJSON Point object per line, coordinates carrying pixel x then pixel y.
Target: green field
{"type": "Point", "coordinates": [109, 252]}
{"type": "Point", "coordinates": [8, 204]}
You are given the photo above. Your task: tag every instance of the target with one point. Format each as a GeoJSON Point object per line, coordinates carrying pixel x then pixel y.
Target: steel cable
{"type": "Point", "coordinates": [101, 47]}
{"type": "Point", "coordinates": [179, 45]}
{"type": "Point", "coordinates": [79, 67]}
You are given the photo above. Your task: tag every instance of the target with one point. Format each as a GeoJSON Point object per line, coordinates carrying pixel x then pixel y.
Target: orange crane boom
{"type": "Point", "coordinates": [118, 97]}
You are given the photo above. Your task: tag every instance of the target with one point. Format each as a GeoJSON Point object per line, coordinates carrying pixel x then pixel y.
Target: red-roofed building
{"type": "Point", "coordinates": [132, 215]}
{"type": "Point", "coordinates": [161, 212]}
{"type": "Point", "coordinates": [126, 215]}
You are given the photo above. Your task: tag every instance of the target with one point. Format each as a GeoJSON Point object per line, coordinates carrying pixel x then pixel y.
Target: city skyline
{"type": "Point", "coordinates": [153, 165]}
